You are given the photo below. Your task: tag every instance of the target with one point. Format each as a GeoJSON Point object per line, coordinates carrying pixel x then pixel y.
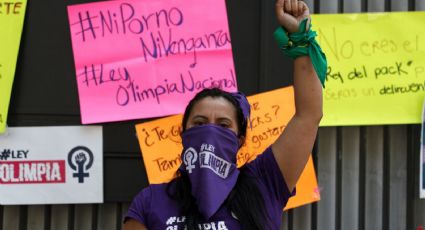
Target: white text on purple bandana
{"type": "Point", "coordinates": [207, 159]}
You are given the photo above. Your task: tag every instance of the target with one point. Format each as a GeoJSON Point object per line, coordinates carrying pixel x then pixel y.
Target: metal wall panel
{"type": "Point", "coordinates": [59, 218]}
{"type": "Point", "coordinates": [326, 165]}
{"type": "Point", "coordinates": [350, 178]}
{"type": "Point", "coordinates": [398, 172]}
{"type": "Point", "coordinates": [35, 217]}
{"type": "Point", "coordinates": [374, 176]}
{"type": "Point", "coordinates": [302, 217]}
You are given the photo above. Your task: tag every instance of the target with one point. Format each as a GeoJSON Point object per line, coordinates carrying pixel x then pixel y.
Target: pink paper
{"type": "Point", "coordinates": [138, 59]}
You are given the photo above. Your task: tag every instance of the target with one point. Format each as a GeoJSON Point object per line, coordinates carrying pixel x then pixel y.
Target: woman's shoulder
{"type": "Point", "coordinates": [154, 207]}
{"type": "Point", "coordinates": [155, 195]}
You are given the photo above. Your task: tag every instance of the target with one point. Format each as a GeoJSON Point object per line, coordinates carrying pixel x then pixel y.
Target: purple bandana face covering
{"type": "Point", "coordinates": [209, 158]}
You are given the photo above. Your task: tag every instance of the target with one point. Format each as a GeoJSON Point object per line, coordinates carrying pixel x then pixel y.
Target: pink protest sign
{"type": "Point", "coordinates": [139, 58]}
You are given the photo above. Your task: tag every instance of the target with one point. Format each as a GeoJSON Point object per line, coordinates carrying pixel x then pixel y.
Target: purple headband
{"type": "Point", "coordinates": [244, 104]}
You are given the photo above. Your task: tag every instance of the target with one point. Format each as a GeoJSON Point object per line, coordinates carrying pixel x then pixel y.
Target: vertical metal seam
{"type": "Point", "coordinates": [411, 5]}
{"type": "Point", "coordinates": [1, 217]}
{"type": "Point", "coordinates": [410, 180]}
{"type": "Point", "coordinates": [291, 219]}
{"type": "Point", "coordinates": [364, 6]}
{"type": "Point", "coordinates": [119, 216]}
{"type": "Point", "coordinates": [264, 57]}
{"type": "Point", "coordinates": [387, 5]}
{"type": "Point", "coordinates": [386, 179]}
{"type": "Point", "coordinates": [94, 216]}
{"type": "Point", "coordinates": [260, 70]}
{"type": "Point", "coordinates": [316, 6]}
{"type": "Point", "coordinates": [341, 6]}
{"type": "Point", "coordinates": [47, 217]}
{"type": "Point", "coordinates": [338, 187]}
{"type": "Point", "coordinates": [362, 178]}
{"type": "Point", "coordinates": [315, 164]}
{"type": "Point", "coordinates": [23, 217]}
{"type": "Point", "coordinates": [71, 216]}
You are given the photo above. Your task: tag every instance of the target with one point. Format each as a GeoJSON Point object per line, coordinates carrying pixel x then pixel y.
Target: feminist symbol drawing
{"type": "Point", "coordinates": [190, 156]}
{"type": "Point", "coordinates": [80, 159]}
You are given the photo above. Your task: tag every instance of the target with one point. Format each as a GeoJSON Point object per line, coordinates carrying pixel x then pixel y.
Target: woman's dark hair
{"type": "Point", "coordinates": [245, 200]}
{"type": "Point", "coordinates": [216, 92]}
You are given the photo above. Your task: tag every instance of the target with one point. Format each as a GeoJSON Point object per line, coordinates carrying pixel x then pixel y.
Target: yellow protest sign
{"type": "Point", "coordinates": [270, 112]}
{"type": "Point", "coordinates": [11, 21]}
{"type": "Point", "coordinates": [376, 72]}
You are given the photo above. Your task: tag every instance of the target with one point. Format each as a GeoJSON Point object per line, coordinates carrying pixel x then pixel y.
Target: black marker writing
{"type": "Point", "coordinates": [135, 93]}
{"type": "Point", "coordinates": [160, 45]}
{"type": "Point", "coordinates": [357, 73]}
{"type": "Point", "coordinates": [158, 134]}
{"type": "Point", "coordinates": [255, 106]}
{"type": "Point", "coordinates": [96, 75]}
{"type": "Point", "coordinates": [165, 165]}
{"type": "Point", "coordinates": [258, 139]}
{"type": "Point", "coordinates": [276, 109]}
{"type": "Point", "coordinates": [332, 75]}
{"type": "Point", "coordinates": [402, 89]}
{"type": "Point", "coordinates": [396, 69]}
{"type": "Point", "coordinates": [345, 49]}
{"type": "Point", "coordinates": [124, 20]}
{"type": "Point", "coordinates": [147, 138]}
{"type": "Point", "coordinates": [10, 8]}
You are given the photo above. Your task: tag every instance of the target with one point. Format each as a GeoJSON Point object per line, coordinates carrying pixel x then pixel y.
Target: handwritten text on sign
{"type": "Point", "coordinates": [11, 22]}
{"type": "Point", "coordinates": [376, 72]}
{"type": "Point", "coordinates": [160, 142]}
{"type": "Point", "coordinates": [138, 59]}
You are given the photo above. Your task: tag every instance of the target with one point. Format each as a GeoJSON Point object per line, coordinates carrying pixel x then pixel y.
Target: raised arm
{"type": "Point", "coordinates": [293, 147]}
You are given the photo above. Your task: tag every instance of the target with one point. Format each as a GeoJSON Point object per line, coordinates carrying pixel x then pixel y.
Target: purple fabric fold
{"type": "Point", "coordinates": [209, 159]}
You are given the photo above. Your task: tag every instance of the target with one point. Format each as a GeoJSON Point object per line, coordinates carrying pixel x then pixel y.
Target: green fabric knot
{"type": "Point", "coordinates": [303, 43]}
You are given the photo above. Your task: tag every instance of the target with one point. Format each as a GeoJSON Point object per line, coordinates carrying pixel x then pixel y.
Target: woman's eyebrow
{"type": "Point", "coordinates": [199, 117]}
{"type": "Point", "coordinates": [224, 119]}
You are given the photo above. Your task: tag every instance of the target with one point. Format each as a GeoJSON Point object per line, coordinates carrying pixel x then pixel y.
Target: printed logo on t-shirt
{"type": "Point", "coordinates": [174, 222]}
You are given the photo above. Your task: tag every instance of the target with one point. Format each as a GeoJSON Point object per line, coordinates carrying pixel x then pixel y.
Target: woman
{"type": "Point", "coordinates": [210, 192]}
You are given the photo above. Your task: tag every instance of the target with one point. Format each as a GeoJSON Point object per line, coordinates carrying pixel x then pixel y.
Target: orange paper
{"type": "Point", "coordinates": [161, 147]}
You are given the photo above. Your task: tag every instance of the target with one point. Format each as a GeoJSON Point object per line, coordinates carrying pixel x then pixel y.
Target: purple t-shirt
{"type": "Point", "coordinates": [157, 211]}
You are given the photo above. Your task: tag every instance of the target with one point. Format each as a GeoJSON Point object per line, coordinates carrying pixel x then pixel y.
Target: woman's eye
{"type": "Point", "coordinates": [224, 125]}
{"type": "Point", "coordinates": [198, 123]}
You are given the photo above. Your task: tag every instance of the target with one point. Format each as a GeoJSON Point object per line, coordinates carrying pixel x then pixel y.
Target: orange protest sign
{"type": "Point", "coordinates": [161, 147]}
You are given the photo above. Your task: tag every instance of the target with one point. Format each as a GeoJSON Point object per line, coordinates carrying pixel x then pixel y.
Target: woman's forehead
{"type": "Point", "coordinates": [214, 105]}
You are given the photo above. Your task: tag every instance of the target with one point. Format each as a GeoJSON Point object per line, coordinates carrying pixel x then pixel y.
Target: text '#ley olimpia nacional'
{"type": "Point", "coordinates": [128, 91]}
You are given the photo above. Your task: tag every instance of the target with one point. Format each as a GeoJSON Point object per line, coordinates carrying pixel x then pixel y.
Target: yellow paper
{"type": "Point", "coordinates": [160, 142]}
{"type": "Point", "coordinates": [11, 21]}
{"type": "Point", "coordinates": [376, 71]}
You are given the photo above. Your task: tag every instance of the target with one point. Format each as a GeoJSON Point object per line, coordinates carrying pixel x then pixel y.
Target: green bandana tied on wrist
{"type": "Point", "coordinates": [303, 43]}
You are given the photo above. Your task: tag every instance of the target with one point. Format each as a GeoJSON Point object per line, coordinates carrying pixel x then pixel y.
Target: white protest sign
{"type": "Point", "coordinates": [51, 165]}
